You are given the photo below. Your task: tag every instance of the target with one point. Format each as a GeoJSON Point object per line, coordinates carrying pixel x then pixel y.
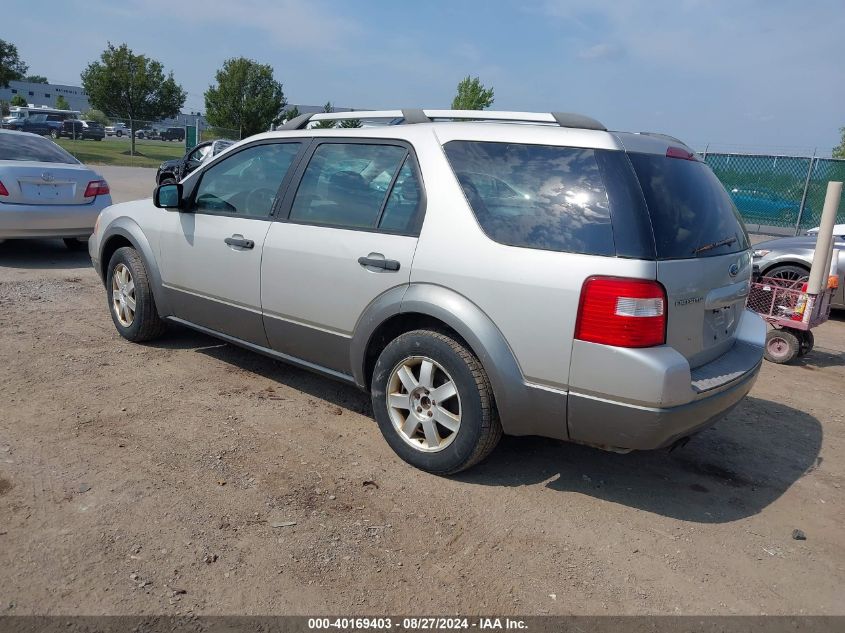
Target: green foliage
{"type": "Point", "coordinates": [326, 125]}
{"type": "Point", "coordinates": [96, 115]}
{"type": "Point", "coordinates": [291, 113]}
{"type": "Point", "coordinates": [472, 95]}
{"type": "Point", "coordinates": [36, 79]}
{"type": "Point", "coordinates": [351, 123]}
{"type": "Point", "coordinates": [132, 87]}
{"type": "Point", "coordinates": [839, 150]}
{"type": "Point", "coordinates": [61, 103]}
{"type": "Point", "coordinates": [246, 98]}
{"type": "Point", "coordinates": [18, 100]}
{"type": "Point", "coordinates": [4, 108]}
{"type": "Point", "coordinates": [11, 67]}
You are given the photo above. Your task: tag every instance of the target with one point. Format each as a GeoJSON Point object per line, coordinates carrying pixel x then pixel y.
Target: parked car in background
{"type": "Point", "coordinates": [838, 230]}
{"type": "Point", "coordinates": [790, 258]}
{"type": "Point", "coordinates": [117, 129]}
{"type": "Point", "coordinates": [175, 170]}
{"type": "Point", "coordinates": [46, 192]}
{"type": "Point", "coordinates": [34, 123]}
{"type": "Point", "coordinates": [54, 121]}
{"type": "Point", "coordinates": [148, 133]}
{"type": "Point", "coordinates": [173, 134]}
{"type": "Point", "coordinates": [623, 330]}
{"type": "Point", "coordinates": [763, 206]}
{"type": "Point", "coordinates": [93, 130]}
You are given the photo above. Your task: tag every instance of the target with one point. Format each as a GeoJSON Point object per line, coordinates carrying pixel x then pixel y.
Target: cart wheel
{"type": "Point", "coordinates": [807, 342]}
{"type": "Point", "coordinates": [782, 346]}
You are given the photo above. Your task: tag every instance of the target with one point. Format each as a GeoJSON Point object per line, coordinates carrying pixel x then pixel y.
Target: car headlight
{"type": "Point", "coordinates": [760, 253]}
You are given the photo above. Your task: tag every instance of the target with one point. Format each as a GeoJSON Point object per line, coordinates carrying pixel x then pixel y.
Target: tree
{"type": "Point", "coordinates": [18, 100]}
{"type": "Point", "coordinates": [246, 98]}
{"type": "Point", "coordinates": [11, 67]}
{"type": "Point", "coordinates": [472, 95]}
{"type": "Point", "coordinates": [132, 87]}
{"type": "Point", "coordinates": [96, 115]}
{"type": "Point", "coordinates": [4, 108]}
{"type": "Point", "coordinates": [839, 150]}
{"type": "Point", "coordinates": [61, 103]}
{"type": "Point", "coordinates": [291, 113]}
{"type": "Point", "coordinates": [36, 79]}
{"type": "Point", "coordinates": [325, 125]}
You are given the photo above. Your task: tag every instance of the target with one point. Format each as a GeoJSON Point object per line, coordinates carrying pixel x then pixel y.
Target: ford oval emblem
{"type": "Point", "coordinates": [47, 177]}
{"type": "Point", "coordinates": [734, 269]}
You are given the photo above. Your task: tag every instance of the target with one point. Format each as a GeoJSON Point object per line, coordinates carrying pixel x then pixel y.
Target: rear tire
{"type": "Point", "coordinates": [130, 297]}
{"type": "Point", "coordinates": [433, 403]}
{"type": "Point", "coordinates": [807, 342]}
{"type": "Point", "coordinates": [782, 346]}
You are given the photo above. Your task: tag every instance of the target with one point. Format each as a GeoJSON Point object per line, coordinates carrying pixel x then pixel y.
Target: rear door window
{"type": "Point", "coordinates": [346, 185]}
{"type": "Point", "coordinates": [689, 208]}
{"type": "Point", "coordinates": [535, 196]}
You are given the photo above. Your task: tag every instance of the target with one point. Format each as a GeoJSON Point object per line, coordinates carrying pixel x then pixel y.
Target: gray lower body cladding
{"type": "Point", "coordinates": [619, 425]}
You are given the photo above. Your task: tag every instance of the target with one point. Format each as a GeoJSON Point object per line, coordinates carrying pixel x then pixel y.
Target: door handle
{"type": "Point", "coordinates": [386, 264]}
{"type": "Point", "coordinates": [239, 241]}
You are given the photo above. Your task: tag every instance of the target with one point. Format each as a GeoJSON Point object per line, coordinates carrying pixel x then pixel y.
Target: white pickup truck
{"type": "Point", "coordinates": [118, 129]}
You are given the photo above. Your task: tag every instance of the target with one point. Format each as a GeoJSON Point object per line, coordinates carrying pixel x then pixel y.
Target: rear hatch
{"type": "Point", "coordinates": [702, 249]}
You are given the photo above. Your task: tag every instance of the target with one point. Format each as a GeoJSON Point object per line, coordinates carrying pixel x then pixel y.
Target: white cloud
{"type": "Point", "coordinates": [599, 52]}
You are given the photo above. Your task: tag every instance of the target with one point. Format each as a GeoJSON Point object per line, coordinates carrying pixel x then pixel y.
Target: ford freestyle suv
{"type": "Point", "coordinates": [478, 273]}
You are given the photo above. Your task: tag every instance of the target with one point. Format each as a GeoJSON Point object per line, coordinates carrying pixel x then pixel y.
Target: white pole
{"type": "Point", "coordinates": [824, 243]}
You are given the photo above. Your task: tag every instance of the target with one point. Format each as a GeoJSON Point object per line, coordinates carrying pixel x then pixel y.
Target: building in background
{"type": "Point", "coordinates": [46, 94]}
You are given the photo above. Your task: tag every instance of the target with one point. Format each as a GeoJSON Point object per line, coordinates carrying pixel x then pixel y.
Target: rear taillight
{"type": "Point", "coordinates": [96, 188]}
{"type": "Point", "coordinates": [680, 152]}
{"type": "Point", "coordinates": [3, 190]}
{"type": "Point", "coordinates": [622, 312]}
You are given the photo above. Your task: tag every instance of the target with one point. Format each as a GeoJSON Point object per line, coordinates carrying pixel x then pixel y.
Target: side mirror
{"type": "Point", "coordinates": [168, 196]}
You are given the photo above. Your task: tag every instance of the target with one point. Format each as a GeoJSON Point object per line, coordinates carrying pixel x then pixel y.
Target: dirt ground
{"type": "Point", "coordinates": [191, 476]}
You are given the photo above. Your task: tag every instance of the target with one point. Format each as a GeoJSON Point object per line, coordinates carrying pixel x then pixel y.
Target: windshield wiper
{"type": "Point", "coordinates": [707, 247]}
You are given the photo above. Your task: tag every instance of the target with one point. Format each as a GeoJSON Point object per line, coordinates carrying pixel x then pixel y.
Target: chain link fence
{"type": "Point", "coordinates": [777, 194]}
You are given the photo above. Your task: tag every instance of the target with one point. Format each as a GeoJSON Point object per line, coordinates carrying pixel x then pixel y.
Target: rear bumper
{"type": "Point", "coordinates": [648, 398]}
{"type": "Point", "coordinates": [49, 221]}
{"type": "Point", "coordinates": [613, 424]}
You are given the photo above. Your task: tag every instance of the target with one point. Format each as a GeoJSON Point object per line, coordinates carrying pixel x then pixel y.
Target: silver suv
{"type": "Point", "coordinates": [476, 272]}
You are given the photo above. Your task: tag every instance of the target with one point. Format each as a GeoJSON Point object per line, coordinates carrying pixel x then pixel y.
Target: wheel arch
{"type": "Point", "coordinates": [790, 261]}
{"type": "Point", "coordinates": [523, 410]}
{"type": "Point", "coordinates": [125, 232]}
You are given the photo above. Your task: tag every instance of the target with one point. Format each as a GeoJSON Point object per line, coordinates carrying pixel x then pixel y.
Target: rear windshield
{"type": "Point", "coordinates": [690, 210]}
{"type": "Point", "coordinates": [535, 196]}
{"type": "Point", "coordinates": [29, 147]}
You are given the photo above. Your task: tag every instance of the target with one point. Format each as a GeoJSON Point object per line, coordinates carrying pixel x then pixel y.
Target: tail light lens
{"type": "Point", "coordinates": [96, 188]}
{"type": "Point", "coordinates": [622, 312]}
{"type": "Point", "coordinates": [3, 190]}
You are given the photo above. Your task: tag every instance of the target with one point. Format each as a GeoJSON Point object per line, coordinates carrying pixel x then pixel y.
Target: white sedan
{"type": "Point", "coordinates": [45, 192]}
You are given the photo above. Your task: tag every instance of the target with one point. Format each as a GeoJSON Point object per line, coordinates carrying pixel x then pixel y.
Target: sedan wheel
{"type": "Point", "coordinates": [790, 273]}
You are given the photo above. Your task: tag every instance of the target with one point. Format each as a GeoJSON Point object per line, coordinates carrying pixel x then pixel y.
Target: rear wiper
{"type": "Point", "coordinates": [707, 247]}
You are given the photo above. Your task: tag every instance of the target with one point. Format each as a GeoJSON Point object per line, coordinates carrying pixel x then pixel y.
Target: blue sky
{"type": "Point", "coordinates": [745, 74]}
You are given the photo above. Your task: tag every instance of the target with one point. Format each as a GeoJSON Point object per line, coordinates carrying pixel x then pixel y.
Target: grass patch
{"type": "Point", "coordinates": [111, 151]}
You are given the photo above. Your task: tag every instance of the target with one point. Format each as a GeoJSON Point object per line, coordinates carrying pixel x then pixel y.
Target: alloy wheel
{"type": "Point", "coordinates": [123, 295]}
{"type": "Point", "coordinates": [424, 404]}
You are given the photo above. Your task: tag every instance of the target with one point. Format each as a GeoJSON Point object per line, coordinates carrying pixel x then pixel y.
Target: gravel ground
{"type": "Point", "coordinates": [191, 476]}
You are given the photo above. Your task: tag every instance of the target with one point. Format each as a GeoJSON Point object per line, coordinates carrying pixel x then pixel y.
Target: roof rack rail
{"type": "Point", "coordinates": [411, 116]}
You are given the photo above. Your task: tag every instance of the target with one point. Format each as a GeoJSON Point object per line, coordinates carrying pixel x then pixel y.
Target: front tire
{"type": "Point", "coordinates": [433, 403]}
{"type": "Point", "coordinates": [130, 297]}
